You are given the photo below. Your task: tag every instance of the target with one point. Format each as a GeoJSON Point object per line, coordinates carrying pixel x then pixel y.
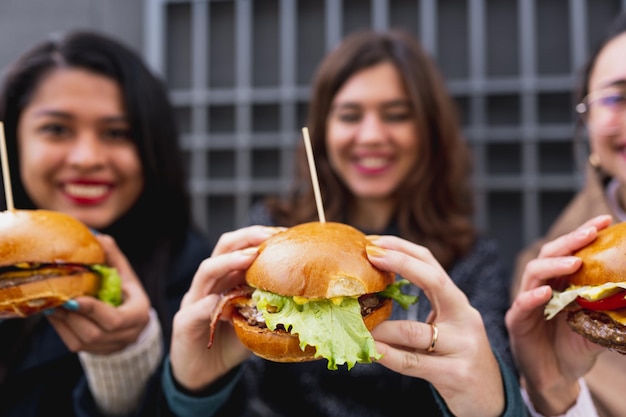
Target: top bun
{"type": "Point", "coordinates": [317, 260]}
{"type": "Point", "coordinates": [43, 236]}
{"type": "Point", "coordinates": [604, 259]}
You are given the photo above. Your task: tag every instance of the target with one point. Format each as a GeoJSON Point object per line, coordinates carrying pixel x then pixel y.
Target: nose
{"type": "Point", "coordinates": [372, 128]}
{"type": "Point", "coordinates": [86, 150]}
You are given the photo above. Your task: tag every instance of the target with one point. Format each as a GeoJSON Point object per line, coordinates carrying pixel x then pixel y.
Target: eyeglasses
{"type": "Point", "coordinates": [604, 111]}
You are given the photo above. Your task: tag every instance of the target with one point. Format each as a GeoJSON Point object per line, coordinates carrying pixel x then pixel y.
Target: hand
{"type": "Point", "coordinates": [99, 328]}
{"type": "Point", "coordinates": [550, 356]}
{"type": "Point", "coordinates": [194, 365]}
{"type": "Point", "coordinates": [462, 366]}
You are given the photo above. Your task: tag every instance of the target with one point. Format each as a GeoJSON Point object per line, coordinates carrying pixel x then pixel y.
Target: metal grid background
{"type": "Point", "coordinates": [239, 74]}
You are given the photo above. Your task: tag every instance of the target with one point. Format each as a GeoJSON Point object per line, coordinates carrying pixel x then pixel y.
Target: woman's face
{"type": "Point", "coordinates": [607, 108]}
{"type": "Point", "coordinates": [75, 150]}
{"type": "Point", "coordinates": [371, 132]}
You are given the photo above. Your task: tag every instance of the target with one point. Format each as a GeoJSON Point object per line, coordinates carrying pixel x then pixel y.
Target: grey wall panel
{"type": "Point", "coordinates": [24, 22]}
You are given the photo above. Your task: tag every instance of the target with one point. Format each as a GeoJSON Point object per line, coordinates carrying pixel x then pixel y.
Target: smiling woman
{"type": "Point", "coordinates": [91, 133]}
{"type": "Point", "coordinates": [391, 160]}
{"type": "Point", "coordinates": [76, 150]}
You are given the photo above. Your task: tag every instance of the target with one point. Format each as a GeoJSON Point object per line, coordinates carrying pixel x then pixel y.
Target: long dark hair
{"type": "Point", "coordinates": [434, 204]}
{"type": "Point", "coordinates": [155, 227]}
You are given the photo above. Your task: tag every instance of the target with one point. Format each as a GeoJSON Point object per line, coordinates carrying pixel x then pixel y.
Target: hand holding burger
{"type": "Point", "coordinates": [48, 258]}
{"type": "Point", "coordinates": [550, 356]}
{"type": "Point", "coordinates": [595, 298]}
{"type": "Point", "coordinates": [312, 293]}
{"type": "Point", "coordinates": [408, 347]}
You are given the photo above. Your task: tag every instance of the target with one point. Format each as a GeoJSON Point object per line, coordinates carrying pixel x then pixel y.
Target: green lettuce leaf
{"type": "Point", "coordinates": [336, 331]}
{"type": "Point", "coordinates": [110, 286]}
{"type": "Point", "coordinates": [393, 291]}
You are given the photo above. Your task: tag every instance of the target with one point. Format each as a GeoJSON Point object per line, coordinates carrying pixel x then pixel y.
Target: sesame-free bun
{"type": "Point", "coordinates": [44, 257]}
{"type": "Point", "coordinates": [281, 346]}
{"type": "Point", "coordinates": [604, 259]}
{"type": "Point", "coordinates": [317, 260]}
{"type": "Point", "coordinates": [46, 237]}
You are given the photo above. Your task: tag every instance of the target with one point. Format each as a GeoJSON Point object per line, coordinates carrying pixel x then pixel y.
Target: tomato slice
{"type": "Point", "coordinates": [612, 302]}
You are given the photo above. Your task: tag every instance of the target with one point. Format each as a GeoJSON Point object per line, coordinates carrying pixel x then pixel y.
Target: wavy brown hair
{"type": "Point", "coordinates": [434, 203]}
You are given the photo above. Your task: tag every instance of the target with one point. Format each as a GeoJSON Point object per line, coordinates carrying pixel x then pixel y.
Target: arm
{"type": "Point", "coordinates": [551, 358]}
{"type": "Point", "coordinates": [583, 408]}
{"type": "Point", "coordinates": [189, 404]}
{"type": "Point", "coordinates": [195, 369]}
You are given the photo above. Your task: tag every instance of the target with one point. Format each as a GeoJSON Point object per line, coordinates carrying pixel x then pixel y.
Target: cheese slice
{"type": "Point", "coordinates": [560, 300]}
{"type": "Point", "coordinates": [618, 315]}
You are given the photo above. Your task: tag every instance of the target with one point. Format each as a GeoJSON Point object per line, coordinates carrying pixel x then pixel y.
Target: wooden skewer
{"type": "Point", "coordinates": [313, 171]}
{"type": "Point", "coordinates": [5, 170]}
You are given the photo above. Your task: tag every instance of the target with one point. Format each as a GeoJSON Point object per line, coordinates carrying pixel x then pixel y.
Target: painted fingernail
{"type": "Point", "coordinates": [373, 250]}
{"type": "Point", "coordinates": [48, 312]}
{"type": "Point", "coordinates": [71, 305]}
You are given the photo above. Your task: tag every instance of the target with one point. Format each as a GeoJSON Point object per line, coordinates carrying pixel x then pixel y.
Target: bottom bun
{"type": "Point", "coordinates": [34, 296]}
{"type": "Point", "coordinates": [598, 328]}
{"type": "Point", "coordinates": [281, 346]}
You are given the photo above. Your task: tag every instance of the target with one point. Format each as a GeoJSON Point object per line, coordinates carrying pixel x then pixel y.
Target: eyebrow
{"type": "Point", "coordinates": [621, 83]}
{"type": "Point", "coordinates": [68, 116]}
{"type": "Point", "coordinates": [387, 104]}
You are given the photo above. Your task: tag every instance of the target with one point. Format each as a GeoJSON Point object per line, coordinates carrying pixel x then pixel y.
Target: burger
{"type": "Point", "coordinates": [312, 293]}
{"type": "Point", "coordinates": [48, 258]}
{"type": "Point", "coordinates": [595, 300]}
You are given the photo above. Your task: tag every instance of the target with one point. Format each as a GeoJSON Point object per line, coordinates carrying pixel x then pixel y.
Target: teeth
{"type": "Point", "coordinates": [373, 162]}
{"type": "Point", "coordinates": [86, 191]}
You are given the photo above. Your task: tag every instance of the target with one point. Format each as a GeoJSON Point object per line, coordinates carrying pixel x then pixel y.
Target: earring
{"type": "Point", "coordinates": [594, 160]}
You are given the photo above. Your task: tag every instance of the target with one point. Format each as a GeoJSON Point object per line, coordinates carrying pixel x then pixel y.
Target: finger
{"type": "Point", "coordinates": [194, 320]}
{"type": "Point", "coordinates": [80, 336]}
{"type": "Point", "coordinates": [215, 274]}
{"type": "Point", "coordinates": [418, 265]}
{"type": "Point", "coordinates": [401, 361]}
{"type": "Point", "coordinates": [134, 312]}
{"type": "Point", "coordinates": [526, 309]}
{"type": "Point", "coordinates": [404, 334]}
{"type": "Point", "coordinates": [570, 242]}
{"type": "Point", "coordinates": [540, 270]}
{"type": "Point", "coordinates": [90, 332]}
{"type": "Point", "coordinates": [243, 238]}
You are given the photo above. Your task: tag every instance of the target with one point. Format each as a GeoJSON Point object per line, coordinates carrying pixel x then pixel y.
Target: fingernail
{"type": "Point", "coordinates": [542, 291]}
{"type": "Point", "coordinates": [375, 251]}
{"type": "Point", "coordinates": [570, 260]}
{"type": "Point", "coordinates": [250, 251]}
{"type": "Point", "coordinates": [94, 231]}
{"type": "Point", "coordinates": [71, 305]}
{"type": "Point", "coordinates": [585, 232]}
{"type": "Point", "coordinates": [273, 230]}
{"type": "Point", "coordinates": [48, 312]}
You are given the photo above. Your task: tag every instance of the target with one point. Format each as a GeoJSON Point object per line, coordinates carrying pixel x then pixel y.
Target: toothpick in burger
{"type": "Point", "coordinates": [312, 293]}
